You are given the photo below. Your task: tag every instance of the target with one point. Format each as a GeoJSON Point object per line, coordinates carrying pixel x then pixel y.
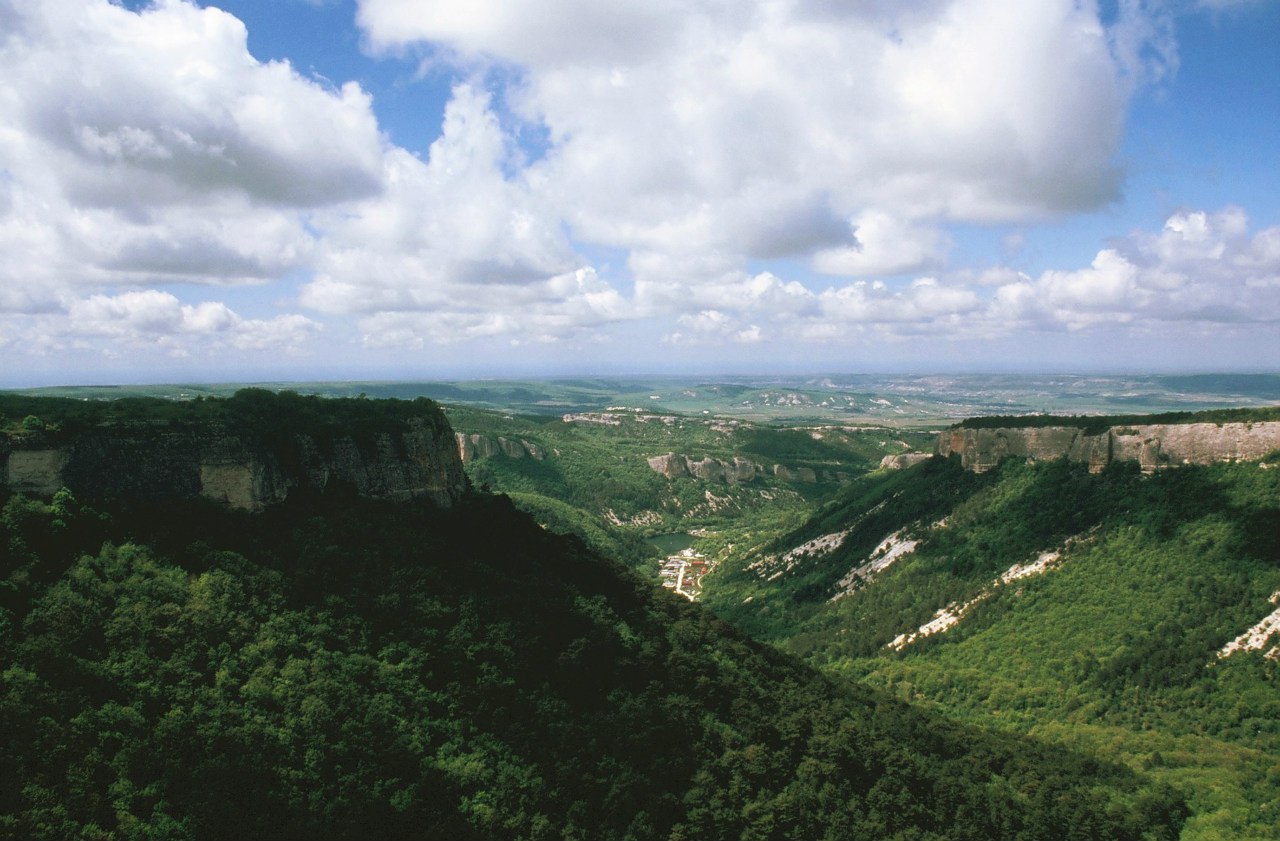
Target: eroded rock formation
{"type": "Point", "coordinates": [475, 446]}
{"type": "Point", "coordinates": [734, 471]}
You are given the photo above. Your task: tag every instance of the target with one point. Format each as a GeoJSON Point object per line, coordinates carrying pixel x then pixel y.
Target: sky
{"type": "Point", "coordinates": [256, 190]}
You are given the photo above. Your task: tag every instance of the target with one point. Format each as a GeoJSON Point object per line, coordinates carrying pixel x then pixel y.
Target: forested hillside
{"type": "Point", "coordinates": [338, 667]}
{"type": "Point", "coordinates": [589, 474]}
{"type": "Point", "coordinates": [1107, 612]}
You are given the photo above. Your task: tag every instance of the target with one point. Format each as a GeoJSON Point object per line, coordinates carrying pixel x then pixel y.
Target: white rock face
{"type": "Point", "coordinates": [902, 460]}
{"type": "Point", "coordinates": [771, 567]}
{"type": "Point", "coordinates": [475, 446]}
{"type": "Point", "coordinates": [735, 471]}
{"type": "Point", "coordinates": [950, 616]}
{"type": "Point", "coordinates": [1257, 637]}
{"type": "Point", "coordinates": [893, 547]}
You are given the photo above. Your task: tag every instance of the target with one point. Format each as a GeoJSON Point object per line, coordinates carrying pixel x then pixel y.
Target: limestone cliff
{"type": "Point", "coordinates": [224, 461]}
{"type": "Point", "coordinates": [902, 460]}
{"type": "Point", "coordinates": [475, 446]}
{"type": "Point", "coordinates": [1153, 446]}
{"type": "Point", "coordinates": [673, 465]}
{"type": "Point", "coordinates": [736, 470]}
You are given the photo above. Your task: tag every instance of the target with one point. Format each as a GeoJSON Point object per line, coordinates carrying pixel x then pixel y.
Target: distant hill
{"type": "Point", "coordinates": [900, 400]}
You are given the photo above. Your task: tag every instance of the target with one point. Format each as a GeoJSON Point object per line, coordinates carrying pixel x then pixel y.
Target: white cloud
{"type": "Point", "coordinates": [767, 127]}
{"type": "Point", "coordinates": [1202, 267]}
{"type": "Point", "coordinates": [569, 31]}
{"type": "Point", "coordinates": [145, 152]}
{"type": "Point", "coordinates": [1205, 269]}
{"type": "Point", "coordinates": [150, 147]}
{"type": "Point", "coordinates": [151, 320]}
{"type": "Point", "coordinates": [666, 284]}
{"type": "Point", "coordinates": [454, 248]}
{"type": "Point", "coordinates": [562, 307]}
{"type": "Point", "coordinates": [145, 109]}
{"type": "Point", "coordinates": [885, 246]}
{"type": "Point", "coordinates": [712, 327]}
{"type": "Point", "coordinates": [922, 302]}
{"type": "Point", "coordinates": [700, 136]}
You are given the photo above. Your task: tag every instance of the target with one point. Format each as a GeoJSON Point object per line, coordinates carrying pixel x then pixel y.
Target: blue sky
{"type": "Point", "coordinates": [378, 189]}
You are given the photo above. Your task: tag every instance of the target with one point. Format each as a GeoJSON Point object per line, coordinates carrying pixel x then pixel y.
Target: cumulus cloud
{"type": "Point", "coordinates": [526, 32]}
{"type": "Point", "coordinates": [885, 245]}
{"type": "Point", "coordinates": [456, 249]}
{"type": "Point", "coordinates": [698, 137]}
{"type": "Point", "coordinates": [712, 327]}
{"type": "Point", "coordinates": [152, 320]}
{"type": "Point", "coordinates": [565, 306]}
{"type": "Point", "coordinates": [921, 302]}
{"type": "Point", "coordinates": [759, 128]}
{"type": "Point", "coordinates": [667, 285]}
{"type": "Point", "coordinates": [722, 151]}
{"type": "Point", "coordinates": [444, 231]}
{"type": "Point", "coordinates": [1201, 266]}
{"type": "Point", "coordinates": [142, 148]}
{"type": "Point", "coordinates": [167, 105]}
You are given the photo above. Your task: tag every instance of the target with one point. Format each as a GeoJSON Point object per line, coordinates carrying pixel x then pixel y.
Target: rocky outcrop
{"type": "Point", "coordinates": [160, 460]}
{"type": "Point", "coordinates": [734, 471]}
{"type": "Point", "coordinates": [794, 474]}
{"type": "Point", "coordinates": [903, 460]}
{"type": "Point", "coordinates": [475, 446]}
{"type": "Point", "coordinates": [669, 465]}
{"type": "Point", "coordinates": [1153, 446]}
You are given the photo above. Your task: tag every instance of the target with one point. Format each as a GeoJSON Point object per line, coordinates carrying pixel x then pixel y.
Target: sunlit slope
{"type": "Point", "coordinates": [1041, 598]}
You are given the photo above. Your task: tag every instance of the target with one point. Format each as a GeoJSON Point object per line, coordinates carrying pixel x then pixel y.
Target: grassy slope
{"type": "Point", "coordinates": [1113, 652]}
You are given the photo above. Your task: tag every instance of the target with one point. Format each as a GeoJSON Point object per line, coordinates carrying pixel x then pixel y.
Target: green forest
{"type": "Point", "coordinates": [594, 480]}
{"type": "Point", "coordinates": [1113, 650]}
{"type": "Point", "coordinates": [345, 668]}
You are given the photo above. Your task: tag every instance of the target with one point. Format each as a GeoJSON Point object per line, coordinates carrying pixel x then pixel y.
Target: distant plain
{"type": "Point", "coordinates": [909, 400]}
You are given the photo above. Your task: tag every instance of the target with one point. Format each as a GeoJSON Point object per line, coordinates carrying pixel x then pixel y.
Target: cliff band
{"type": "Point", "coordinates": [157, 460]}
{"type": "Point", "coordinates": [1152, 446]}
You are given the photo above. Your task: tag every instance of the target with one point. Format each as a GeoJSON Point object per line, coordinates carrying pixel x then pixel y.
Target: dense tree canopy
{"type": "Point", "coordinates": [342, 668]}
